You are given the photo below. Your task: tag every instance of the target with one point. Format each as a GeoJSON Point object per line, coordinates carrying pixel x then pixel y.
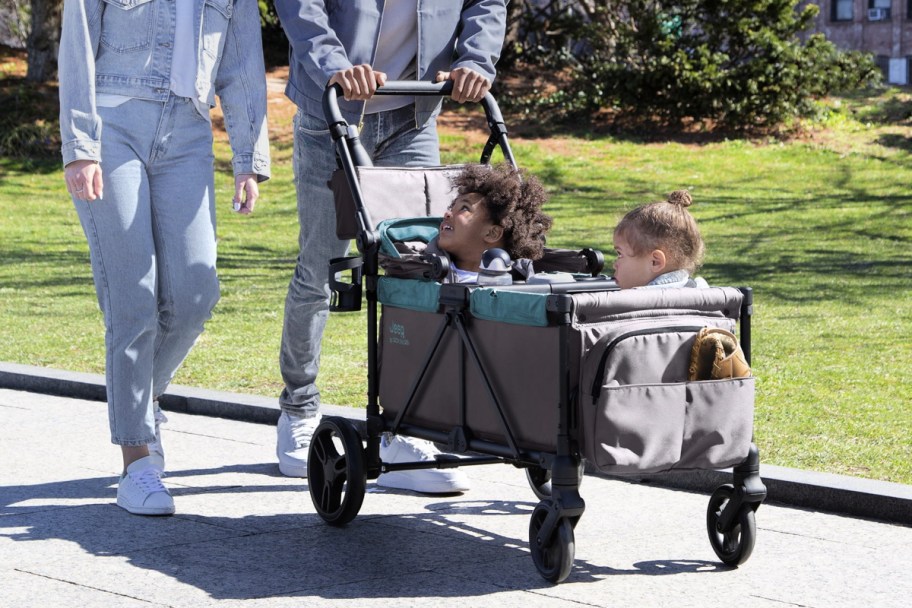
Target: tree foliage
{"type": "Point", "coordinates": [740, 64]}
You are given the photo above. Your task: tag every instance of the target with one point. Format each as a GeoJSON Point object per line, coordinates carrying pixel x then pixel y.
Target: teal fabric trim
{"type": "Point", "coordinates": [413, 294]}
{"type": "Point", "coordinates": [516, 307]}
{"type": "Point", "coordinates": [398, 230]}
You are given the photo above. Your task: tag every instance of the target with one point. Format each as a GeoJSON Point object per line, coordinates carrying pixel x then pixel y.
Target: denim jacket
{"type": "Point", "coordinates": [124, 47]}
{"type": "Point", "coordinates": [331, 35]}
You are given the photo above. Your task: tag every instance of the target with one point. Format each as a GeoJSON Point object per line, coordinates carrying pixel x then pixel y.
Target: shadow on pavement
{"type": "Point", "coordinates": [448, 548]}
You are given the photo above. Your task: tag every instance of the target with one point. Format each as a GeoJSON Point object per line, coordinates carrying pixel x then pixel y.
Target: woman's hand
{"type": "Point", "coordinates": [83, 180]}
{"type": "Point", "coordinates": [468, 85]}
{"type": "Point", "coordinates": [246, 193]}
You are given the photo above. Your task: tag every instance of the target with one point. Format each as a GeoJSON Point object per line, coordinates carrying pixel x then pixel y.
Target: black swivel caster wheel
{"type": "Point", "coordinates": [554, 558]}
{"type": "Point", "coordinates": [335, 471]}
{"type": "Point", "coordinates": [734, 546]}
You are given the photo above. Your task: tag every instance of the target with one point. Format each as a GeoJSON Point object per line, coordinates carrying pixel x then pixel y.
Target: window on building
{"type": "Point", "coordinates": [879, 10]}
{"type": "Point", "coordinates": [841, 10]}
{"type": "Point", "coordinates": [883, 62]}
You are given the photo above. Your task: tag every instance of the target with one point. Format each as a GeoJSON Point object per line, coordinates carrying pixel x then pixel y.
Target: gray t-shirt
{"type": "Point", "coordinates": [397, 50]}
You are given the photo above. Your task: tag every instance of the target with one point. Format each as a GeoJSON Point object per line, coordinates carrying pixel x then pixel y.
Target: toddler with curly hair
{"type": "Point", "coordinates": [495, 207]}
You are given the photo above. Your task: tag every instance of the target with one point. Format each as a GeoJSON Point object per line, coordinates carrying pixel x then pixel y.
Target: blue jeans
{"type": "Point", "coordinates": [152, 245]}
{"type": "Point", "coordinates": [391, 139]}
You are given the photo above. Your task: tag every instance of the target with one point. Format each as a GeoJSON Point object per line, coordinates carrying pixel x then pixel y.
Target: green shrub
{"type": "Point", "coordinates": [29, 126]}
{"type": "Point", "coordinates": [734, 63]}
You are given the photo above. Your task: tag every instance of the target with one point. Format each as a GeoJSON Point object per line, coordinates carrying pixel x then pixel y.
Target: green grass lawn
{"type": "Point", "coordinates": [821, 228]}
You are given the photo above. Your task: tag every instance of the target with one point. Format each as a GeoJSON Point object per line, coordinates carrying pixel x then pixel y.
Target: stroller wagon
{"type": "Point", "coordinates": [608, 382]}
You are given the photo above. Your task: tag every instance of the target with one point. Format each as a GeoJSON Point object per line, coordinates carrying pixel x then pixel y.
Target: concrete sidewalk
{"type": "Point", "coordinates": [819, 491]}
{"type": "Point", "coordinates": [243, 534]}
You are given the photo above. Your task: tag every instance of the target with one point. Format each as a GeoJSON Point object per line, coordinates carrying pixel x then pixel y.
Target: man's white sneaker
{"type": "Point", "coordinates": [293, 443]}
{"type": "Point", "coordinates": [397, 449]}
{"type": "Point", "coordinates": [141, 491]}
{"type": "Point", "coordinates": [156, 448]}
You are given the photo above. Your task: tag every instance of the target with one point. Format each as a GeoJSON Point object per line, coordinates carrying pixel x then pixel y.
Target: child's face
{"type": "Point", "coordinates": [465, 230]}
{"type": "Point", "coordinates": [632, 270]}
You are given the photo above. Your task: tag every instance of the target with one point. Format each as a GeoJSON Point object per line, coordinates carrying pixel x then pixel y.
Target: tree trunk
{"type": "Point", "coordinates": [512, 42]}
{"type": "Point", "coordinates": [43, 40]}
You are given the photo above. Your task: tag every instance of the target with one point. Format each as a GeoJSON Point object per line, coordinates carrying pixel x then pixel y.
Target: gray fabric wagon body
{"type": "Point", "coordinates": [627, 357]}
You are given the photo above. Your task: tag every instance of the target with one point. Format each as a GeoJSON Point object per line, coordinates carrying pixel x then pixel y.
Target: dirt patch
{"type": "Point", "coordinates": [13, 63]}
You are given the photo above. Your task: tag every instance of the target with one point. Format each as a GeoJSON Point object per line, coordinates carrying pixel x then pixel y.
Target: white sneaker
{"type": "Point", "coordinates": [398, 449]}
{"type": "Point", "coordinates": [156, 448]}
{"type": "Point", "coordinates": [293, 443]}
{"type": "Point", "coordinates": [141, 491]}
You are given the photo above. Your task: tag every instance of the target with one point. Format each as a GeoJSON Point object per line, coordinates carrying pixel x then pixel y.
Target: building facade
{"type": "Point", "coordinates": [881, 27]}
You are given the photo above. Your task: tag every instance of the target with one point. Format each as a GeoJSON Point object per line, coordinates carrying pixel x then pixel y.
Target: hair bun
{"type": "Point", "coordinates": [680, 197]}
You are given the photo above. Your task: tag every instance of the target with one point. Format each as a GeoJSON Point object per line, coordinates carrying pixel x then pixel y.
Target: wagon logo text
{"type": "Point", "coordinates": [397, 334]}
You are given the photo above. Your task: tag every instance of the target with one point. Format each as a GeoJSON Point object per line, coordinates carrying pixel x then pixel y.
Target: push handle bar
{"type": "Point", "coordinates": [338, 126]}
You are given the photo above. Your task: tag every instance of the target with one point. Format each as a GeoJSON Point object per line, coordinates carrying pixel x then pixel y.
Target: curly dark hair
{"type": "Point", "coordinates": [665, 225]}
{"type": "Point", "coordinates": [513, 200]}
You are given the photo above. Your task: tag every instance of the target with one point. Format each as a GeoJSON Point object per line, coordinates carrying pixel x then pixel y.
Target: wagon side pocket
{"type": "Point", "coordinates": [649, 428]}
{"type": "Point", "coordinates": [636, 428]}
{"type": "Point", "coordinates": [718, 423]}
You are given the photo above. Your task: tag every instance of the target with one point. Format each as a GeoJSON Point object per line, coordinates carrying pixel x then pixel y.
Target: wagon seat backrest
{"type": "Point", "coordinates": [393, 192]}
